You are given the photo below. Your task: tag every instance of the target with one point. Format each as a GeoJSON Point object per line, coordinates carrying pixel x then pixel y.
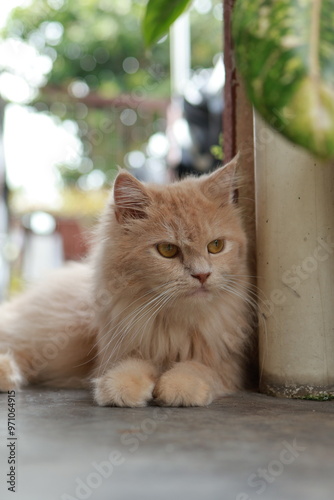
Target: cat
{"type": "Point", "coordinates": [158, 311]}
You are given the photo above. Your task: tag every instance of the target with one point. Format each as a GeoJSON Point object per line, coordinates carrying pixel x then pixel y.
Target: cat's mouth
{"type": "Point", "coordinates": [199, 292]}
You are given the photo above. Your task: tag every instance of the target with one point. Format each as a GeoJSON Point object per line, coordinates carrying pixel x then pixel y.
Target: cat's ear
{"type": "Point", "coordinates": [130, 198]}
{"type": "Point", "coordinates": [221, 185]}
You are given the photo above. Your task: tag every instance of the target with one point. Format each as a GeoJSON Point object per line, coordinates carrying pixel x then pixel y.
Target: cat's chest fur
{"type": "Point", "coordinates": [204, 333]}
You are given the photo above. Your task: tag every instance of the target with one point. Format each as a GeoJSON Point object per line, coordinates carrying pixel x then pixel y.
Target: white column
{"type": "Point", "coordinates": [295, 265]}
{"type": "Point", "coordinates": [180, 54]}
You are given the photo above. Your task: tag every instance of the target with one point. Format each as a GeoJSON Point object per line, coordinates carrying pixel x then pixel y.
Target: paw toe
{"type": "Point", "coordinates": [175, 391]}
{"type": "Point", "coordinates": [123, 390]}
{"type": "Point", "coordinates": [10, 375]}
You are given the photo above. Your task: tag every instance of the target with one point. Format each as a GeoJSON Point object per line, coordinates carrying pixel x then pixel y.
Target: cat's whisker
{"type": "Point", "coordinates": [250, 287]}
{"type": "Point", "coordinates": [153, 311]}
{"type": "Point", "coordinates": [168, 300]}
{"type": "Point", "coordinates": [257, 276]}
{"type": "Point", "coordinates": [130, 320]}
{"type": "Point", "coordinates": [263, 313]}
{"type": "Point", "coordinates": [119, 332]}
{"type": "Point", "coordinates": [106, 331]}
{"type": "Point", "coordinates": [252, 293]}
{"type": "Point", "coordinates": [103, 333]}
{"type": "Point", "coordinates": [142, 307]}
{"type": "Point", "coordinates": [122, 332]}
{"type": "Point", "coordinates": [162, 299]}
{"type": "Point", "coordinates": [261, 317]}
{"type": "Point", "coordinates": [263, 302]}
{"type": "Point", "coordinates": [154, 314]}
{"type": "Point", "coordinates": [250, 301]}
{"type": "Point", "coordinates": [245, 198]}
{"type": "Point", "coordinates": [245, 216]}
{"type": "Point", "coordinates": [155, 307]}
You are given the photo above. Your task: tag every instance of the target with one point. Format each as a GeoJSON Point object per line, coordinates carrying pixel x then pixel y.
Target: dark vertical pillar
{"type": "Point", "coordinates": [4, 271]}
{"type": "Point", "coordinates": [238, 131]}
{"type": "Point", "coordinates": [238, 136]}
{"type": "Point", "coordinates": [229, 115]}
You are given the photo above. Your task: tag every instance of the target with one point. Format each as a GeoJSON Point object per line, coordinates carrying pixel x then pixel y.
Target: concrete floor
{"type": "Point", "coordinates": [244, 447]}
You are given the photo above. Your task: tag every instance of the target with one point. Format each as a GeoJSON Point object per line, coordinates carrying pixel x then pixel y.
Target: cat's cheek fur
{"type": "Point", "coordinates": [10, 375]}
{"type": "Point", "coordinates": [129, 384]}
{"type": "Point", "coordinates": [188, 383]}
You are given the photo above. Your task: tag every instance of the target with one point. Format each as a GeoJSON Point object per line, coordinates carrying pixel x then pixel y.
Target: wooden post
{"type": "Point", "coordinates": [238, 133]}
{"type": "Point", "coordinates": [295, 262]}
{"type": "Point", "coordinates": [238, 136]}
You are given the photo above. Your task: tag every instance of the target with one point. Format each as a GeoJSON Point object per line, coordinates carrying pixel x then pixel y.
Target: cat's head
{"type": "Point", "coordinates": [184, 241]}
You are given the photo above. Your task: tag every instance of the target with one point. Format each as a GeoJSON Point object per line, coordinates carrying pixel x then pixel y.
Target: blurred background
{"type": "Point", "coordinates": [79, 97]}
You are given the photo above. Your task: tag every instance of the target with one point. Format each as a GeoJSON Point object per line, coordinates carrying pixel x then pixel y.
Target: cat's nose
{"type": "Point", "coordinates": [202, 277]}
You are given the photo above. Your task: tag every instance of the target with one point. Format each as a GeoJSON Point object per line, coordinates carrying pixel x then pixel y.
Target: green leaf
{"type": "Point", "coordinates": [159, 16]}
{"type": "Point", "coordinates": [285, 53]}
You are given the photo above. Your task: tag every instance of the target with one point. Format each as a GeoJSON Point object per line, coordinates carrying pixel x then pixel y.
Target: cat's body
{"type": "Point", "coordinates": [159, 310]}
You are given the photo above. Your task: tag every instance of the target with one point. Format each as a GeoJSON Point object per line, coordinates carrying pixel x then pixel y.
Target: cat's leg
{"type": "Point", "coordinates": [130, 383]}
{"type": "Point", "coordinates": [10, 374]}
{"type": "Point", "coordinates": [188, 383]}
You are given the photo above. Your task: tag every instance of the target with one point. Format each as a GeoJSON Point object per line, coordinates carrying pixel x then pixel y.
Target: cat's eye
{"type": "Point", "coordinates": [216, 246]}
{"type": "Point", "coordinates": [168, 250]}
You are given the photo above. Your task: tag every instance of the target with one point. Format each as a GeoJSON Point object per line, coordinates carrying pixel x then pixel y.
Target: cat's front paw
{"type": "Point", "coordinates": [182, 386]}
{"type": "Point", "coordinates": [10, 375]}
{"type": "Point", "coordinates": [130, 384]}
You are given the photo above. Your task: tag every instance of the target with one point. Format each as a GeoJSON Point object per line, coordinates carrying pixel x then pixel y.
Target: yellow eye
{"type": "Point", "coordinates": [168, 250]}
{"type": "Point", "coordinates": [216, 246]}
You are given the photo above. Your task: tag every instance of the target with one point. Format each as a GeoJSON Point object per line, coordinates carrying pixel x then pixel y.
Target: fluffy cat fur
{"type": "Point", "coordinates": [131, 323]}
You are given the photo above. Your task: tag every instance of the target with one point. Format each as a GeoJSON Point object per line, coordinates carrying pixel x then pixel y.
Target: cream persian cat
{"type": "Point", "coordinates": [160, 310]}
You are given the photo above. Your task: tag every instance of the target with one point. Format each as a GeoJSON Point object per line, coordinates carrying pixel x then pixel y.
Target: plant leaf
{"type": "Point", "coordinates": [285, 53]}
{"type": "Point", "coordinates": [159, 16]}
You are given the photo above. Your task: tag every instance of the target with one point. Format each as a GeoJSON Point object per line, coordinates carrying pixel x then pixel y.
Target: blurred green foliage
{"type": "Point", "coordinates": [90, 40]}
{"type": "Point", "coordinates": [217, 150]}
{"type": "Point", "coordinates": [87, 40]}
{"type": "Point", "coordinates": [159, 16]}
{"type": "Point", "coordinates": [284, 52]}
{"type": "Point", "coordinates": [97, 51]}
